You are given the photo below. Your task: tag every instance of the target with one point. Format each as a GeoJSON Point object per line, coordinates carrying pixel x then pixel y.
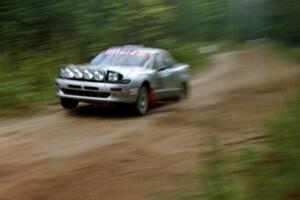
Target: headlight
{"type": "Point", "coordinates": [62, 73]}
{"type": "Point", "coordinates": [87, 74]}
{"type": "Point", "coordinates": [98, 76]}
{"type": "Point", "coordinates": [77, 73]}
{"type": "Point", "coordinates": [69, 73]}
{"type": "Point", "coordinates": [113, 77]}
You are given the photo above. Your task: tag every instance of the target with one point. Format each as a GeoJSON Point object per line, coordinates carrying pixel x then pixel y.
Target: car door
{"type": "Point", "coordinates": [174, 82]}
{"type": "Point", "coordinates": [164, 77]}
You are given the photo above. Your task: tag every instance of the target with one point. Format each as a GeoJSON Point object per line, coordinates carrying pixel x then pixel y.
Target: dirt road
{"type": "Point", "coordinates": [94, 153]}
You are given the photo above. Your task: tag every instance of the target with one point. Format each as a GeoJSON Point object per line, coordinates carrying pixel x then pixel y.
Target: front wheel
{"type": "Point", "coordinates": [140, 107]}
{"type": "Point", "coordinates": [68, 103]}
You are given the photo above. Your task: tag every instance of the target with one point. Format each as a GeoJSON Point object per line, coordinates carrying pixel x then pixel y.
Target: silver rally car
{"type": "Point", "coordinates": [134, 75]}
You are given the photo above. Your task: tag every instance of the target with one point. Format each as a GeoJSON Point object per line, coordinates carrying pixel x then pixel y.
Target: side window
{"type": "Point", "coordinates": [150, 62]}
{"type": "Point", "coordinates": [158, 61]}
{"type": "Point", "coordinates": [168, 60]}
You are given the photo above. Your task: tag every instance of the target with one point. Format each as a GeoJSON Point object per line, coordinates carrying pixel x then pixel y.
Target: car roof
{"type": "Point", "coordinates": [139, 47]}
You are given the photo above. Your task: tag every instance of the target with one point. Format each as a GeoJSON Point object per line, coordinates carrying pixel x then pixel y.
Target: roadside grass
{"type": "Point", "coordinates": [27, 80]}
{"type": "Point", "coordinates": [292, 53]}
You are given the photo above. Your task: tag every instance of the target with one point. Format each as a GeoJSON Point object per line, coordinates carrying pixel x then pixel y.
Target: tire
{"type": "Point", "coordinates": [140, 107]}
{"type": "Point", "coordinates": [183, 94]}
{"type": "Point", "coordinates": [68, 103]}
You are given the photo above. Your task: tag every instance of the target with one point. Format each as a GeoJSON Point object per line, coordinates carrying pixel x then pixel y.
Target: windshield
{"type": "Point", "coordinates": [122, 57]}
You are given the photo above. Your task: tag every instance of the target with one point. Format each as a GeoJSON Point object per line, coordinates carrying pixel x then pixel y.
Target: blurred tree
{"type": "Point", "coordinates": [34, 23]}
{"type": "Point", "coordinates": [283, 20]}
{"type": "Point", "coordinates": [246, 19]}
{"type": "Point", "coordinates": [205, 19]}
{"type": "Point", "coordinates": [95, 24]}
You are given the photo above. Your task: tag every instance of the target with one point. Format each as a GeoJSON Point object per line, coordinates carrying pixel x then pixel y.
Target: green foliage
{"type": "Point", "coordinates": [205, 19]}
{"type": "Point", "coordinates": [286, 51]}
{"type": "Point", "coordinates": [282, 20]}
{"type": "Point", "coordinates": [183, 51]}
{"type": "Point", "coordinates": [246, 19]}
{"type": "Point", "coordinates": [294, 53]}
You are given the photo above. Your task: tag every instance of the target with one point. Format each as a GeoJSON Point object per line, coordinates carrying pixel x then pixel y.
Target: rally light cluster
{"type": "Point", "coordinates": [73, 72]}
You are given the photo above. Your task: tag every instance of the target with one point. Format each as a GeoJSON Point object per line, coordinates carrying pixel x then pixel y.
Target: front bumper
{"type": "Point", "coordinates": [85, 91]}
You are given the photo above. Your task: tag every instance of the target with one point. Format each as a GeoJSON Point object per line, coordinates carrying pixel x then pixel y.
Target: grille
{"type": "Point", "coordinates": [86, 93]}
{"type": "Point", "coordinates": [75, 86]}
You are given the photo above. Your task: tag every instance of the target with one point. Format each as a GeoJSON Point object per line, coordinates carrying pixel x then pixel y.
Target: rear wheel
{"type": "Point", "coordinates": [141, 106]}
{"type": "Point", "coordinates": [183, 93]}
{"type": "Point", "coordinates": [68, 103]}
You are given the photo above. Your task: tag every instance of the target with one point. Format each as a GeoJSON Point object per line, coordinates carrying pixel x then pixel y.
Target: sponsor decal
{"type": "Point", "coordinates": [124, 51]}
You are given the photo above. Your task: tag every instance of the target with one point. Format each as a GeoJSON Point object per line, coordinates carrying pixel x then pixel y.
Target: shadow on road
{"type": "Point", "coordinates": [114, 111]}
